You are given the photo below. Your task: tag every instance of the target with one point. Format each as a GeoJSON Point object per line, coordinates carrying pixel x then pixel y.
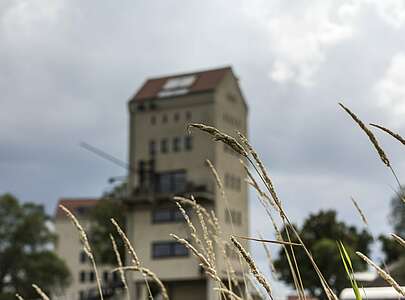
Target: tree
{"type": "Point", "coordinates": [320, 232]}
{"type": "Point", "coordinates": [101, 228]}
{"type": "Point", "coordinates": [26, 250]}
{"type": "Point", "coordinates": [394, 253]}
{"type": "Point", "coordinates": [392, 250]}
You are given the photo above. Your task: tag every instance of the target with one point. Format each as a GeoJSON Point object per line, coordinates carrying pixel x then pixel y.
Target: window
{"type": "Point", "coordinates": [188, 115]}
{"type": "Point", "coordinates": [92, 276]}
{"type": "Point", "coordinates": [176, 117]}
{"type": "Point", "coordinates": [105, 276]}
{"type": "Point", "coordinates": [231, 98]}
{"type": "Point", "coordinates": [235, 216]}
{"type": "Point", "coordinates": [167, 215]}
{"type": "Point", "coordinates": [172, 182]}
{"type": "Point", "coordinates": [153, 120]}
{"type": "Point", "coordinates": [161, 215]}
{"type": "Point", "coordinates": [188, 142]}
{"type": "Point", "coordinates": [168, 249]}
{"type": "Point", "coordinates": [232, 182]}
{"type": "Point", "coordinates": [164, 118]}
{"type": "Point", "coordinates": [82, 276]}
{"type": "Point", "coordinates": [152, 147]}
{"type": "Point", "coordinates": [176, 144]}
{"type": "Point", "coordinates": [163, 146]}
{"type": "Point", "coordinates": [82, 257]}
{"type": "Point", "coordinates": [81, 295]}
{"type": "Point", "coordinates": [115, 277]}
{"type": "Point", "coordinates": [177, 86]}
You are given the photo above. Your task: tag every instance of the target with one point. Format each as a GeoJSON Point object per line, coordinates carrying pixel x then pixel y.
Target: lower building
{"type": "Point", "coordinates": [69, 247]}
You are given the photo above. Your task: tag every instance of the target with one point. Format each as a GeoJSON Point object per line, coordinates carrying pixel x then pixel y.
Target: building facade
{"type": "Point", "coordinates": [167, 161]}
{"type": "Point", "coordinates": [69, 248]}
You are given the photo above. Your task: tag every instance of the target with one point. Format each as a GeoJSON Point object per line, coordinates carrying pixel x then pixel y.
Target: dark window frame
{"type": "Point", "coordinates": [152, 147]}
{"type": "Point", "coordinates": [82, 276]}
{"type": "Point", "coordinates": [176, 144]}
{"type": "Point", "coordinates": [82, 257]}
{"type": "Point", "coordinates": [92, 276]}
{"type": "Point", "coordinates": [188, 143]}
{"type": "Point", "coordinates": [169, 182]}
{"type": "Point", "coordinates": [164, 146]}
{"type": "Point", "coordinates": [172, 252]}
{"type": "Point", "coordinates": [173, 215]}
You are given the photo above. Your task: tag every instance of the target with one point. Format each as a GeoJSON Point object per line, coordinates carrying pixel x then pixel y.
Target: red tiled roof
{"type": "Point", "coordinates": [205, 81]}
{"type": "Point", "coordinates": [77, 206]}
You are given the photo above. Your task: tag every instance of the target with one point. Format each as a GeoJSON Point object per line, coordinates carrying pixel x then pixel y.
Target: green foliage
{"type": "Point", "coordinates": [101, 228]}
{"type": "Point", "coordinates": [26, 255]}
{"type": "Point", "coordinates": [347, 263]}
{"type": "Point", "coordinates": [392, 250]}
{"type": "Point", "coordinates": [320, 232]}
{"type": "Point", "coordinates": [397, 215]}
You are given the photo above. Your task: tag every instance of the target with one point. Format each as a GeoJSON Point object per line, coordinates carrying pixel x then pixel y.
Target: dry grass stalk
{"type": "Point", "coordinates": [204, 262]}
{"type": "Point", "coordinates": [193, 230]}
{"type": "Point", "coordinates": [19, 297]}
{"type": "Point", "coordinates": [149, 273]}
{"type": "Point", "coordinates": [263, 172]}
{"type": "Point", "coordinates": [252, 181]}
{"type": "Point", "coordinates": [220, 136]}
{"type": "Point", "coordinates": [400, 240]}
{"type": "Point", "coordinates": [370, 135]}
{"type": "Point", "coordinates": [40, 292]}
{"type": "Point", "coordinates": [362, 215]}
{"type": "Point", "coordinates": [252, 266]}
{"type": "Point", "coordinates": [270, 187]}
{"type": "Point", "coordinates": [383, 274]}
{"type": "Point", "coordinates": [391, 133]}
{"type": "Point", "coordinates": [86, 246]}
{"type": "Point", "coordinates": [216, 177]}
{"type": "Point", "coordinates": [134, 257]}
{"type": "Point", "coordinates": [119, 262]}
{"type": "Point", "coordinates": [228, 211]}
{"type": "Point", "coordinates": [208, 241]}
{"type": "Point", "coordinates": [269, 256]}
{"type": "Point", "coordinates": [196, 206]}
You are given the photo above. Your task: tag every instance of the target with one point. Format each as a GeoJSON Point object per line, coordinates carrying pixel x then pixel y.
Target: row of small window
{"type": "Point", "coordinates": [234, 215]}
{"type": "Point", "coordinates": [177, 145]}
{"type": "Point", "coordinates": [232, 182]}
{"type": "Point", "coordinates": [167, 215]}
{"type": "Point", "coordinates": [165, 118]}
{"type": "Point", "coordinates": [169, 249]}
{"type": "Point", "coordinates": [90, 276]}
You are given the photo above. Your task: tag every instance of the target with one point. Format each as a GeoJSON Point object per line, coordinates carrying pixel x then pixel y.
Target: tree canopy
{"type": "Point", "coordinates": [101, 228]}
{"type": "Point", "coordinates": [26, 250]}
{"type": "Point", "coordinates": [320, 232]}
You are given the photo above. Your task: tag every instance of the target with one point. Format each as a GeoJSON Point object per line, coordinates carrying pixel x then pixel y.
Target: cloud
{"type": "Point", "coordinates": [390, 89]}
{"type": "Point", "coordinates": [69, 67]}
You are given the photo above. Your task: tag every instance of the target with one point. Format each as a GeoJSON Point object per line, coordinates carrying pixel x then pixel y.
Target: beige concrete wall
{"type": "Point", "coordinates": [68, 248]}
{"type": "Point", "coordinates": [231, 115]}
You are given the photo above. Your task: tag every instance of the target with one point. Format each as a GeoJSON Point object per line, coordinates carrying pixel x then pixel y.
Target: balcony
{"type": "Point", "coordinates": [155, 193]}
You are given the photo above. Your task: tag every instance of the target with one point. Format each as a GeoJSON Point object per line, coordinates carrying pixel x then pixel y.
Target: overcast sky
{"type": "Point", "coordinates": [68, 67]}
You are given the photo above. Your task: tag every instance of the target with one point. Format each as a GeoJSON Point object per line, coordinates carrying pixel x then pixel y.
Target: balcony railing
{"type": "Point", "coordinates": [155, 193]}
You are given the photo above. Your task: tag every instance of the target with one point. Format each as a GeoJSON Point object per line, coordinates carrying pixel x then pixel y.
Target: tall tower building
{"type": "Point", "coordinates": [166, 161]}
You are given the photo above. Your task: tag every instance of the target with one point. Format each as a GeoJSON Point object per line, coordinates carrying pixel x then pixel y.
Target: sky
{"type": "Point", "coordinates": [68, 68]}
